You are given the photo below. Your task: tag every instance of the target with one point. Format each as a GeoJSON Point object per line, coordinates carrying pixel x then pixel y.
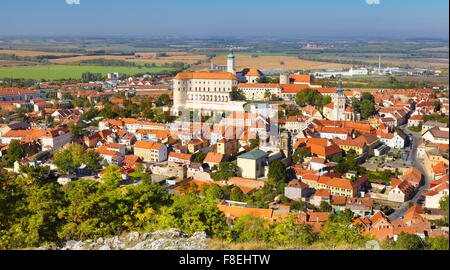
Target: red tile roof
{"type": "Point", "coordinates": [212, 157]}
{"type": "Point", "coordinates": [205, 75]}
{"type": "Point", "coordinates": [148, 145]}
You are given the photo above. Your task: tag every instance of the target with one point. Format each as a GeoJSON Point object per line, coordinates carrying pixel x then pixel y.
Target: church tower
{"type": "Point", "coordinates": [339, 104]}
{"type": "Point", "coordinates": [286, 143]}
{"type": "Point", "coordinates": [231, 61]}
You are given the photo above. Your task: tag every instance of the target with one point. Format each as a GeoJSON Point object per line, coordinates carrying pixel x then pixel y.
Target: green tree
{"type": "Point", "coordinates": [368, 96]}
{"type": "Point", "coordinates": [277, 172]}
{"type": "Point", "coordinates": [15, 152]}
{"type": "Point", "coordinates": [341, 168]}
{"type": "Point", "coordinates": [409, 242]}
{"type": "Point", "coordinates": [39, 221]}
{"type": "Point", "coordinates": [199, 157]}
{"type": "Point", "coordinates": [236, 94]}
{"type": "Point", "coordinates": [215, 192]}
{"type": "Point", "coordinates": [437, 106]}
{"type": "Point", "coordinates": [34, 174]}
{"type": "Point", "coordinates": [325, 207]}
{"type": "Point", "coordinates": [112, 176]}
{"type": "Point", "coordinates": [356, 104]}
{"type": "Point", "coordinates": [225, 171]}
{"type": "Point", "coordinates": [254, 142]}
{"type": "Point", "coordinates": [300, 154]}
{"type": "Point", "coordinates": [163, 100]}
{"type": "Point", "coordinates": [251, 228]}
{"type": "Point", "coordinates": [92, 159]}
{"type": "Point", "coordinates": [76, 131]}
{"type": "Point", "coordinates": [298, 205]}
{"type": "Point", "coordinates": [437, 243]}
{"type": "Point", "coordinates": [311, 97]}
{"type": "Point", "coordinates": [267, 95]}
{"type": "Point", "coordinates": [68, 159]}
{"type": "Point", "coordinates": [367, 109]}
{"type": "Point", "coordinates": [289, 233]}
{"type": "Point", "coordinates": [237, 195]}
{"type": "Point", "coordinates": [338, 230]}
{"type": "Point", "coordinates": [146, 179]}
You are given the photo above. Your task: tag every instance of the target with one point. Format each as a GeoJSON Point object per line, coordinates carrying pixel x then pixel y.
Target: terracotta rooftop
{"type": "Point", "coordinates": [206, 75]}
{"type": "Point", "coordinates": [147, 145]}
{"type": "Point", "coordinates": [212, 157]}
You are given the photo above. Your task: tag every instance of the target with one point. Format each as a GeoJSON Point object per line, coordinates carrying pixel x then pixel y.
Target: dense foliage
{"type": "Point", "coordinates": [312, 97]}
{"type": "Point", "coordinates": [68, 159]}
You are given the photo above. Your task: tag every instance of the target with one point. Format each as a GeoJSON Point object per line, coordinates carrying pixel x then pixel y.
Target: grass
{"type": "Point", "coordinates": [379, 175]}
{"type": "Point", "coordinates": [135, 174]}
{"type": "Point", "coordinates": [55, 72]}
{"type": "Point", "coordinates": [218, 244]}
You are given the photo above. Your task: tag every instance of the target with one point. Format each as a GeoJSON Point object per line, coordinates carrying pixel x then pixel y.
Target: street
{"type": "Point", "coordinates": [398, 213]}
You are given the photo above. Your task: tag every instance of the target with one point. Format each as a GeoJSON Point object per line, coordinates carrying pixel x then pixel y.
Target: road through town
{"type": "Point", "coordinates": [414, 163]}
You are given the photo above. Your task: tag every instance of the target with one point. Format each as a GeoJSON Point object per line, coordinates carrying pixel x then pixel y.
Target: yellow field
{"type": "Point", "coordinates": [31, 53]}
{"type": "Point", "coordinates": [146, 57]}
{"type": "Point", "coordinates": [273, 62]}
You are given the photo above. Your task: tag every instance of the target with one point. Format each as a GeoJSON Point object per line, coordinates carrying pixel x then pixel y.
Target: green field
{"type": "Point", "coordinates": [55, 72]}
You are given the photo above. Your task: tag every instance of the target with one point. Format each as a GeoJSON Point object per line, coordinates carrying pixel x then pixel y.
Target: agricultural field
{"type": "Point", "coordinates": [32, 53]}
{"type": "Point", "coordinates": [261, 53]}
{"type": "Point", "coordinates": [55, 72]}
{"type": "Point", "coordinates": [436, 49]}
{"type": "Point", "coordinates": [272, 62]}
{"type": "Point", "coordinates": [8, 63]}
{"type": "Point", "coordinates": [144, 57]}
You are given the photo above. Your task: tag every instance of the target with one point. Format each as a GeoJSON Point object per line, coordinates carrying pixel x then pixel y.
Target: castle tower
{"type": "Point", "coordinates": [231, 61]}
{"type": "Point", "coordinates": [339, 104]}
{"type": "Point", "coordinates": [179, 94]}
{"type": "Point", "coordinates": [284, 78]}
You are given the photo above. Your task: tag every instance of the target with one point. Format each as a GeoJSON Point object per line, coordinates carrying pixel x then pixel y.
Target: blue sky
{"type": "Point", "coordinates": [294, 18]}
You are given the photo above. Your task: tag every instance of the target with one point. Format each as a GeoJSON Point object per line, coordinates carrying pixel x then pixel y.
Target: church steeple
{"type": "Point", "coordinates": [339, 103]}
{"type": "Point", "coordinates": [339, 89]}
{"type": "Point", "coordinates": [231, 61]}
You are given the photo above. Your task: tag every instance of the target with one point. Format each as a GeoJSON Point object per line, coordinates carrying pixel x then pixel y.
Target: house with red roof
{"type": "Point", "coordinates": [214, 159]}
{"type": "Point", "coordinates": [296, 190]}
{"type": "Point", "coordinates": [393, 140]}
{"type": "Point", "coordinates": [437, 135]}
{"type": "Point", "coordinates": [181, 158]}
{"type": "Point", "coordinates": [150, 151]}
{"type": "Point", "coordinates": [415, 120]}
{"type": "Point", "coordinates": [413, 176]}
{"type": "Point", "coordinates": [400, 191]}
{"type": "Point", "coordinates": [438, 189]}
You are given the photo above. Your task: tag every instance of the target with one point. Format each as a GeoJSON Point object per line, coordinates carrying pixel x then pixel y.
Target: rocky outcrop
{"type": "Point", "coordinates": [172, 239]}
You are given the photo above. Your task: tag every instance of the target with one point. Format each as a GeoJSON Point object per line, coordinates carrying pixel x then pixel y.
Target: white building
{"type": "Point", "coordinates": [393, 140]}
{"type": "Point", "coordinates": [437, 135]}
{"type": "Point", "coordinates": [435, 195]}
{"type": "Point", "coordinates": [400, 191]}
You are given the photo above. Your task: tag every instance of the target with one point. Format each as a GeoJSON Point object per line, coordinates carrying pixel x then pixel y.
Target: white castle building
{"type": "Point", "coordinates": [206, 90]}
